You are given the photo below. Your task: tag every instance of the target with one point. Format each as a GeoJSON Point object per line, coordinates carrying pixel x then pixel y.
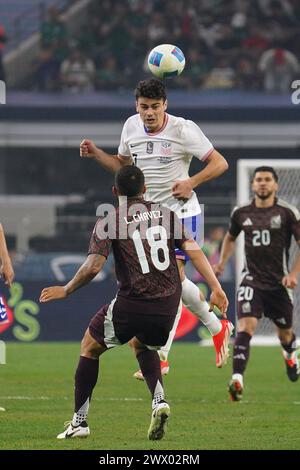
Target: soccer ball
{"type": "Point", "coordinates": [166, 61]}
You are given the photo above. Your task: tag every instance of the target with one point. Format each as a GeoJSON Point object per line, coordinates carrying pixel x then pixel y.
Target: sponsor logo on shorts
{"type": "Point", "coordinates": [246, 307]}
{"type": "Point", "coordinates": [282, 321]}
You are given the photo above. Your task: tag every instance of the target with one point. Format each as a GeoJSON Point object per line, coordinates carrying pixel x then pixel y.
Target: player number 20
{"type": "Point", "coordinates": [155, 245]}
{"type": "Point", "coordinates": [261, 237]}
{"type": "Point", "coordinates": [245, 293]}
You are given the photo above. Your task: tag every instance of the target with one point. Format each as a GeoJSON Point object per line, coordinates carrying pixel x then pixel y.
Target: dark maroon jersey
{"type": "Point", "coordinates": [268, 233]}
{"type": "Point", "coordinates": [143, 236]}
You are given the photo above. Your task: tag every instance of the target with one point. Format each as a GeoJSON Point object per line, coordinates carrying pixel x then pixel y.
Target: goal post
{"type": "Point", "coordinates": [289, 190]}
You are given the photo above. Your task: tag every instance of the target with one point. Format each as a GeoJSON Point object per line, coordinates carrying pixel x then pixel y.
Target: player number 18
{"type": "Point", "coordinates": [155, 245]}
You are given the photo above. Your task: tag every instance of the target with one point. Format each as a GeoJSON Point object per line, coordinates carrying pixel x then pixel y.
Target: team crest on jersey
{"type": "Point", "coordinates": [275, 221]}
{"type": "Point", "coordinates": [166, 148]}
{"type": "Point", "coordinates": [246, 307]}
{"type": "Point", "coordinates": [150, 147]}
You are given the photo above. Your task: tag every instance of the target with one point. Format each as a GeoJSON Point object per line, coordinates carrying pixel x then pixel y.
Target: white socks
{"type": "Point", "coordinates": [159, 395]}
{"type": "Point", "coordinates": [239, 378]}
{"type": "Point", "coordinates": [81, 414]}
{"type": "Point", "coordinates": [164, 350]}
{"type": "Point", "coordinates": [191, 299]}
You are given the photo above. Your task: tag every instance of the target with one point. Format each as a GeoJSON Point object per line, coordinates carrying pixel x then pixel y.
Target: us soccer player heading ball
{"type": "Point", "coordinates": [268, 224]}
{"type": "Point", "coordinates": [162, 146]}
{"type": "Point", "coordinates": [147, 301]}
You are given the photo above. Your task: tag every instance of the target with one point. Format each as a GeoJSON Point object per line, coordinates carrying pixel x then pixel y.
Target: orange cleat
{"type": "Point", "coordinates": [221, 342]}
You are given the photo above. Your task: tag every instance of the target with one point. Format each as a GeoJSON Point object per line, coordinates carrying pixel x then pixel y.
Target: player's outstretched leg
{"type": "Point", "coordinates": [150, 367]}
{"type": "Point", "coordinates": [241, 353]}
{"type": "Point", "coordinates": [290, 355]}
{"type": "Point", "coordinates": [220, 330]}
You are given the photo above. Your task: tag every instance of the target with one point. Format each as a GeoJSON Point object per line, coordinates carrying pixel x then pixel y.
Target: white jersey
{"type": "Point", "coordinates": [165, 157]}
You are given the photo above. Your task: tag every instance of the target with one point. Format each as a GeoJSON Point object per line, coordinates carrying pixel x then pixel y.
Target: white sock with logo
{"type": "Point", "coordinates": [159, 395]}
{"type": "Point", "coordinates": [191, 299]}
{"type": "Point", "coordinates": [81, 414]}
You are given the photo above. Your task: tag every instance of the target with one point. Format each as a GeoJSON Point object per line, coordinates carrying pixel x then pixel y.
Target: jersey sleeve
{"type": "Point", "coordinates": [234, 225]}
{"type": "Point", "coordinates": [196, 144]}
{"type": "Point", "coordinates": [100, 244]}
{"type": "Point", "coordinates": [123, 150]}
{"type": "Point", "coordinates": [295, 223]}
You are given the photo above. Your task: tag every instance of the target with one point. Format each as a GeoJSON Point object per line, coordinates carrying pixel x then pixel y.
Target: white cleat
{"type": "Point", "coordinates": [159, 419]}
{"type": "Point", "coordinates": [75, 431]}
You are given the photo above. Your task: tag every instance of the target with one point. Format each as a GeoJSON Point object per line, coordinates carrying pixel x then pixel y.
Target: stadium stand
{"type": "Point", "coordinates": [22, 19]}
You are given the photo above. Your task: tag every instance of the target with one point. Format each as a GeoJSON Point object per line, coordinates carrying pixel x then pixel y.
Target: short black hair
{"type": "Point", "coordinates": [130, 181]}
{"type": "Point", "coordinates": [270, 169]}
{"type": "Point", "coordinates": [151, 88]}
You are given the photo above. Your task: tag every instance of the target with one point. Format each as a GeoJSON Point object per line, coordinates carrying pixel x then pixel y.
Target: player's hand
{"type": "Point", "coordinates": [182, 189]}
{"type": "Point", "coordinates": [88, 149]}
{"type": "Point", "coordinates": [218, 269]}
{"type": "Point", "coordinates": [7, 273]}
{"type": "Point", "coordinates": [218, 299]}
{"type": "Point", "coordinates": [290, 281]}
{"type": "Point", "coordinates": [53, 293]}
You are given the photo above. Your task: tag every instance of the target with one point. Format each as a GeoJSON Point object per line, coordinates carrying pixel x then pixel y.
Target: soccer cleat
{"type": "Point", "coordinates": [159, 419]}
{"type": "Point", "coordinates": [235, 390]}
{"type": "Point", "coordinates": [164, 366]}
{"type": "Point", "coordinates": [74, 431]}
{"type": "Point", "coordinates": [292, 365]}
{"type": "Point", "coordinates": [221, 342]}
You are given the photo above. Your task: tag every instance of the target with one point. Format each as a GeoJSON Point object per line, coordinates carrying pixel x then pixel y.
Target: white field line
{"type": "Point", "coordinates": [124, 399]}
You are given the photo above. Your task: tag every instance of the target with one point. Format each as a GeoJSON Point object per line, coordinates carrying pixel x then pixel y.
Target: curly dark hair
{"type": "Point", "coordinates": [151, 88]}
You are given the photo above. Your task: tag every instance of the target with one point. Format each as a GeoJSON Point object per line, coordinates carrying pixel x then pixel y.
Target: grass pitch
{"type": "Point", "coordinates": [36, 389]}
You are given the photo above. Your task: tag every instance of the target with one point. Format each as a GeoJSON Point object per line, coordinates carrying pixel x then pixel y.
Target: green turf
{"type": "Point", "coordinates": [36, 388]}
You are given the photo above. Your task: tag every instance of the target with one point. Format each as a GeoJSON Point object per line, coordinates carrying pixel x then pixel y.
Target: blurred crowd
{"type": "Point", "coordinates": [232, 44]}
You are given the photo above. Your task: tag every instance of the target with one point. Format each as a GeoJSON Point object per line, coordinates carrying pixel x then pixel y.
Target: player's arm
{"type": "Point", "coordinates": [227, 250]}
{"type": "Point", "coordinates": [6, 269]}
{"type": "Point", "coordinates": [215, 166]}
{"type": "Point", "coordinates": [88, 270]}
{"type": "Point", "coordinates": [291, 280]}
{"type": "Point", "coordinates": [218, 297]}
{"type": "Point", "coordinates": [112, 163]}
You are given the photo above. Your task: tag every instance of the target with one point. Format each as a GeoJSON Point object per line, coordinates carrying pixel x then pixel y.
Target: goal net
{"type": "Point", "coordinates": [289, 190]}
